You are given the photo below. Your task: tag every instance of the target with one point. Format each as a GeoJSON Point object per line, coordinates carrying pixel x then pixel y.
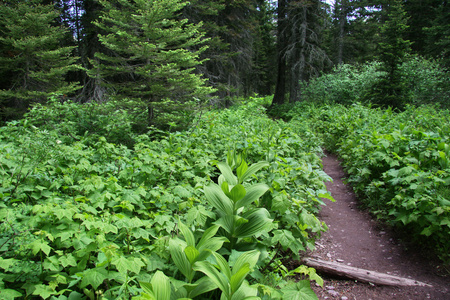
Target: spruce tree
{"type": "Point", "coordinates": [33, 64]}
{"type": "Point", "coordinates": [151, 54]}
{"type": "Point", "coordinates": [391, 89]}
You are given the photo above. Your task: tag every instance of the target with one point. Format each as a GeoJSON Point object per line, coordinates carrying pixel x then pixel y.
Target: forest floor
{"type": "Point", "coordinates": [356, 239]}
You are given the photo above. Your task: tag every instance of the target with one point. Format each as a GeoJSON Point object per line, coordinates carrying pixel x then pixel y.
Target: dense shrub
{"type": "Point", "coordinates": [399, 163]}
{"type": "Point", "coordinates": [426, 82]}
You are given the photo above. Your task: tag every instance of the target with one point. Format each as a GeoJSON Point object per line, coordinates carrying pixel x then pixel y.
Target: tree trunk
{"type": "Point", "coordinates": [280, 88]}
{"type": "Point", "coordinates": [362, 275]}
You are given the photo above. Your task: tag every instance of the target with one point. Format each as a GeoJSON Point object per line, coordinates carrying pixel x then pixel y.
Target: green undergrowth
{"type": "Point", "coordinates": [207, 213]}
{"type": "Point", "coordinates": [398, 162]}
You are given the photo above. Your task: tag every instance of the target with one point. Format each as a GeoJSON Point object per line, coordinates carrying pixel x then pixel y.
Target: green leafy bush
{"type": "Point", "coordinates": [426, 82]}
{"type": "Point", "coordinates": [84, 216]}
{"type": "Point", "coordinates": [398, 163]}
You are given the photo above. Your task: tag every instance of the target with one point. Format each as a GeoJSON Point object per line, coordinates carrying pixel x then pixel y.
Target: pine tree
{"type": "Point", "coordinates": [438, 34]}
{"type": "Point", "coordinates": [300, 53]}
{"type": "Point", "coordinates": [150, 52]}
{"type": "Point", "coordinates": [391, 89]}
{"type": "Point", "coordinates": [33, 64]}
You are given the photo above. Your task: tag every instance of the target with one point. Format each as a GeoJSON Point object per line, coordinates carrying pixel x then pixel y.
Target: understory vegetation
{"type": "Point", "coordinates": [91, 209]}
{"type": "Point", "coordinates": [398, 162]}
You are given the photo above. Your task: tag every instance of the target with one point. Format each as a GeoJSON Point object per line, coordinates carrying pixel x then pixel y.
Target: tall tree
{"type": "Point", "coordinates": [151, 54]}
{"type": "Point", "coordinates": [235, 30]}
{"type": "Point", "coordinates": [300, 53]}
{"type": "Point", "coordinates": [282, 43]}
{"type": "Point", "coordinates": [438, 34]}
{"type": "Point", "coordinates": [421, 14]}
{"type": "Point", "coordinates": [33, 63]}
{"type": "Point", "coordinates": [355, 30]}
{"type": "Point", "coordinates": [391, 90]}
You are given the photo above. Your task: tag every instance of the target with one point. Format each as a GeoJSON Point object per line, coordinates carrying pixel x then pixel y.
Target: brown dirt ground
{"type": "Point", "coordinates": [355, 238]}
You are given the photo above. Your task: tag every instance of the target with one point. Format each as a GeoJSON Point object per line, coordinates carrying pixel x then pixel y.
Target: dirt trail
{"type": "Point", "coordinates": [354, 238]}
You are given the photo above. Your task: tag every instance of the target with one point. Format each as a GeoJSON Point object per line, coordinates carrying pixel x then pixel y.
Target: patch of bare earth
{"type": "Point", "coordinates": [355, 239]}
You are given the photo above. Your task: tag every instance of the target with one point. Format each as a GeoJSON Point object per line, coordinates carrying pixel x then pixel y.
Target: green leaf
{"type": "Point", "coordinates": [218, 199]}
{"type": "Point", "coordinates": [68, 260]}
{"type": "Point", "coordinates": [246, 292]}
{"type": "Point", "coordinates": [40, 245]}
{"type": "Point", "coordinates": [135, 265]}
{"type": "Point", "coordinates": [121, 264]}
{"type": "Point", "coordinates": [161, 286]}
{"type": "Point", "coordinates": [254, 192]}
{"type": "Point", "coordinates": [253, 169]}
{"type": "Point", "coordinates": [287, 241]}
{"type": "Point", "coordinates": [7, 294]}
{"type": "Point", "coordinates": [258, 221]}
{"type": "Point", "coordinates": [148, 289]}
{"type": "Point", "coordinates": [191, 253]}
{"type": "Point", "coordinates": [213, 274]}
{"type": "Point", "coordinates": [201, 286]}
{"type": "Point", "coordinates": [237, 193]}
{"type": "Point", "coordinates": [176, 248]}
{"type": "Point", "coordinates": [238, 277]}
{"type": "Point", "coordinates": [241, 170]}
{"type": "Point", "coordinates": [44, 291]}
{"type": "Point", "coordinates": [187, 233]}
{"type": "Point", "coordinates": [222, 265]}
{"type": "Point", "coordinates": [206, 236]}
{"type": "Point", "coordinates": [227, 223]}
{"type": "Point", "coordinates": [227, 173]}
{"type": "Point", "coordinates": [249, 257]}
{"type": "Point", "coordinates": [6, 263]}
{"type": "Point", "coordinates": [94, 277]}
{"type": "Point", "coordinates": [299, 291]}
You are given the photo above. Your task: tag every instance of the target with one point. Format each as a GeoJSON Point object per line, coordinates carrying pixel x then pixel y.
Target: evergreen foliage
{"type": "Point", "coordinates": [150, 53]}
{"type": "Point", "coordinates": [33, 64]}
{"type": "Point", "coordinates": [391, 89]}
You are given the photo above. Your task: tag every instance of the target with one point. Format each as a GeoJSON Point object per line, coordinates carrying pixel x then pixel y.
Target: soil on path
{"type": "Point", "coordinates": [354, 238]}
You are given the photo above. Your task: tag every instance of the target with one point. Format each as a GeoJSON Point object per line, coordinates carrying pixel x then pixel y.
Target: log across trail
{"type": "Point", "coordinates": [356, 244]}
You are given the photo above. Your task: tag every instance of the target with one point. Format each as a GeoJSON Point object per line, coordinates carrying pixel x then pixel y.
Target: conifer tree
{"type": "Point", "coordinates": [390, 90]}
{"type": "Point", "coordinates": [150, 53]}
{"type": "Point", "coordinates": [33, 64]}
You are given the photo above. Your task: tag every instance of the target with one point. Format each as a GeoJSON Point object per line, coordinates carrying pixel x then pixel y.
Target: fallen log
{"type": "Point", "coordinates": [362, 275]}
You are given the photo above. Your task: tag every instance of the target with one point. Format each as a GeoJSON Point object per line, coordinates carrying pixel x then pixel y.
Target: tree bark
{"type": "Point", "coordinates": [362, 275]}
{"type": "Point", "coordinates": [280, 88]}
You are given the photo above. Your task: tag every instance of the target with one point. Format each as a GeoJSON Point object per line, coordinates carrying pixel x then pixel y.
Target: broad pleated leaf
{"type": "Point", "coordinates": [254, 192]}
{"type": "Point", "coordinates": [191, 254]}
{"type": "Point", "coordinates": [176, 248]}
{"type": "Point", "coordinates": [241, 170]}
{"type": "Point", "coordinates": [187, 233]}
{"type": "Point", "coordinates": [237, 193]}
{"type": "Point", "coordinates": [246, 292]}
{"type": "Point", "coordinates": [227, 223]}
{"type": "Point", "coordinates": [201, 286]}
{"type": "Point", "coordinates": [213, 244]}
{"type": "Point", "coordinates": [161, 286]}
{"type": "Point", "coordinates": [252, 170]}
{"type": "Point", "coordinates": [222, 264]}
{"type": "Point", "coordinates": [148, 289]}
{"type": "Point", "coordinates": [227, 173]}
{"type": "Point", "coordinates": [258, 221]}
{"type": "Point", "coordinates": [218, 199]}
{"type": "Point", "coordinates": [214, 275]}
{"type": "Point", "coordinates": [225, 188]}
{"type": "Point", "coordinates": [238, 277]}
{"type": "Point", "coordinates": [208, 234]}
{"type": "Point", "coordinates": [250, 257]}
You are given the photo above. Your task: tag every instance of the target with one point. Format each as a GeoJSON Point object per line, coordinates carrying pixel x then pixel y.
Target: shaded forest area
{"type": "Point", "coordinates": [169, 56]}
